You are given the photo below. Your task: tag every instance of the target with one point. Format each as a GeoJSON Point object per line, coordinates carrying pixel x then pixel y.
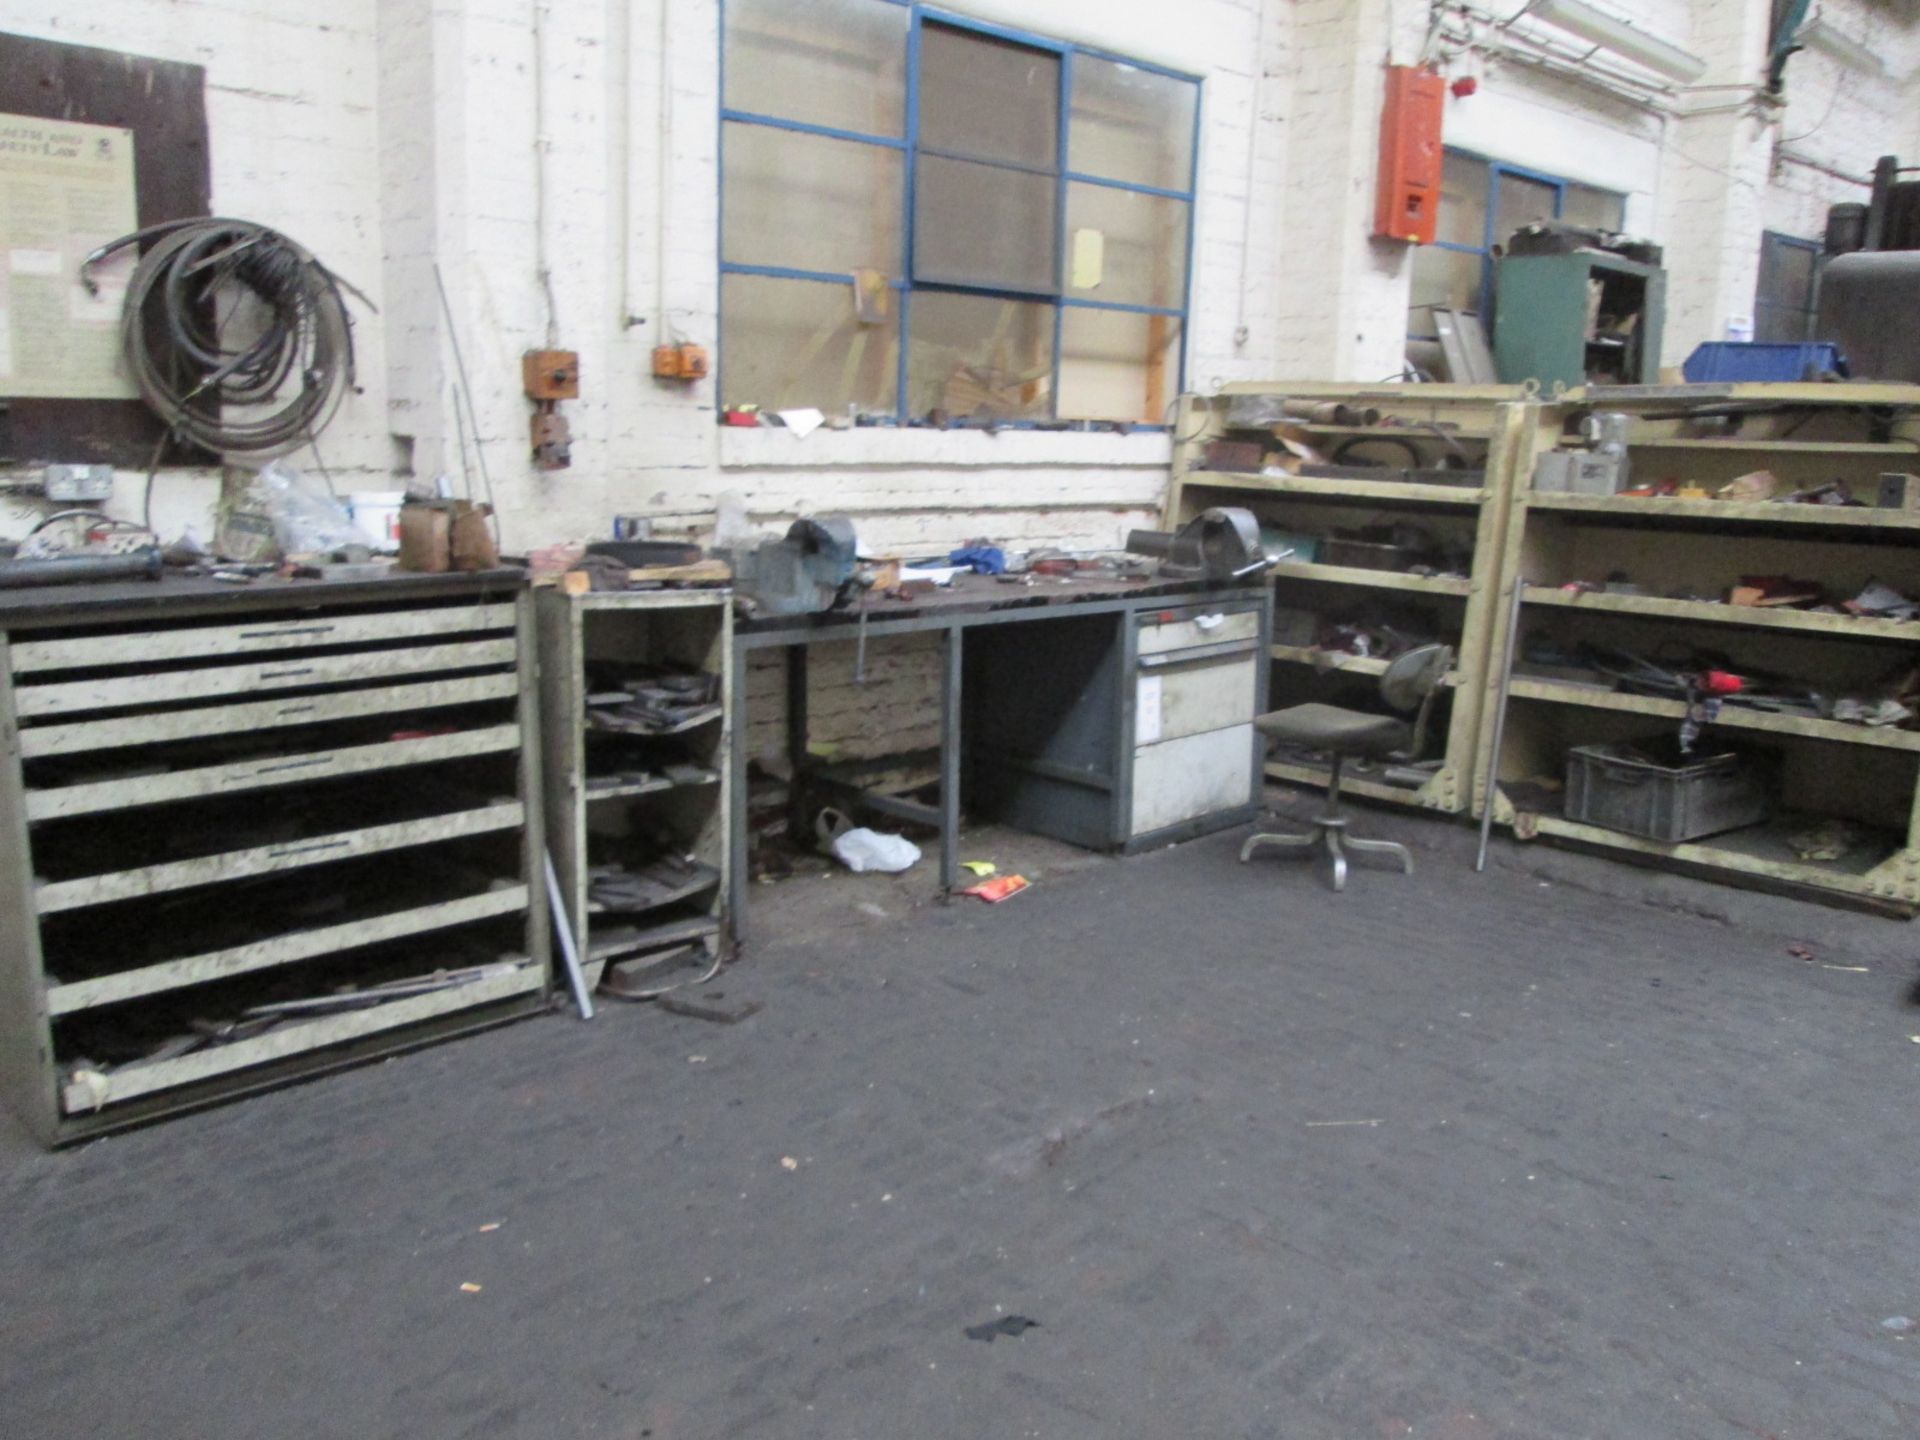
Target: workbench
{"type": "Point", "coordinates": [1110, 712]}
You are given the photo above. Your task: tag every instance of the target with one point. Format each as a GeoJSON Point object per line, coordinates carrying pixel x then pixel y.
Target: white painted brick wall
{"type": "Point", "coordinates": [388, 135]}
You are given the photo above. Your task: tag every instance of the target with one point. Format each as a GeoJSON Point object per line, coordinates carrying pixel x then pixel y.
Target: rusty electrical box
{"type": "Point", "coordinates": [1408, 206]}
{"type": "Point", "coordinates": [551, 374]}
{"type": "Point", "coordinates": [679, 362]}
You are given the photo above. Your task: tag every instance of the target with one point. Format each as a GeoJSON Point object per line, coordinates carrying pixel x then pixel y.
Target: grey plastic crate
{"type": "Point", "coordinates": [1651, 790]}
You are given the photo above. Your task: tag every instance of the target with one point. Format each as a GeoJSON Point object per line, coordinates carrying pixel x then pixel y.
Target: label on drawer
{"type": "Point", "coordinates": [1146, 710]}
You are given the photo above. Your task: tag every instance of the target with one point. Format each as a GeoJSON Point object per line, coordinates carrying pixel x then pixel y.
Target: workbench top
{"type": "Point", "coordinates": [987, 594]}
{"type": "Point", "coordinates": [183, 594]}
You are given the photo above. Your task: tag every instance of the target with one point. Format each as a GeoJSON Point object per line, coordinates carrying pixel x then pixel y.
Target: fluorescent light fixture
{"type": "Point", "coordinates": [1821, 35]}
{"type": "Point", "coordinates": [1657, 55]}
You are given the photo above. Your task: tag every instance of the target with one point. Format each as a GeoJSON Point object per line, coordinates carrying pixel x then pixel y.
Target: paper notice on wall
{"type": "Point", "coordinates": [1146, 711]}
{"type": "Point", "coordinates": [65, 188]}
{"type": "Point", "coordinates": [1089, 259]}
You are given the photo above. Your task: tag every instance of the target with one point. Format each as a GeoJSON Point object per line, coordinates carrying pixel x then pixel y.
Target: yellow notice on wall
{"type": "Point", "coordinates": [65, 188]}
{"type": "Point", "coordinates": [1089, 259]}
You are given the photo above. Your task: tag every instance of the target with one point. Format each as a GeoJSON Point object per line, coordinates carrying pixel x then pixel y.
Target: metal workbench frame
{"type": "Point", "coordinates": [795, 634]}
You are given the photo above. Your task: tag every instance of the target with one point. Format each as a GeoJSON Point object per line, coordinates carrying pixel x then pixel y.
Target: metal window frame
{"type": "Point", "coordinates": [1810, 313]}
{"type": "Point", "coordinates": [908, 144]}
{"type": "Point", "coordinates": [1488, 239]}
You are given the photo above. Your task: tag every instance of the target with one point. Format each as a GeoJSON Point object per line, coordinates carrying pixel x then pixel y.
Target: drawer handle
{"type": "Point", "coordinates": [285, 674]}
{"type": "Point", "coordinates": [288, 765]}
{"type": "Point", "coordinates": [307, 849]}
{"type": "Point", "coordinates": [292, 630]}
{"type": "Point", "coordinates": [294, 709]}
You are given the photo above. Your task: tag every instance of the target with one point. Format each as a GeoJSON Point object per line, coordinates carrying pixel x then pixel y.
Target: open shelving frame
{"type": "Point", "coordinates": [1807, 435]}
{"type": "Point", "coordinates": [1479, 424]}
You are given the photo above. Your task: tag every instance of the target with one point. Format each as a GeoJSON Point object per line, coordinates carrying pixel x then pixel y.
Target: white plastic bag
{"type": "Point", "coordinates": [863, 850]}
{"type": "Point", "coordinates": [302, 517]}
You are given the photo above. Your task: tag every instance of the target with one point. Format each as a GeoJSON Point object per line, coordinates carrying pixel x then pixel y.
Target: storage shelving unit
{"type": "Point", "coordinates": [1474, 425]}
{"type": "Point", "coordinates": [249, 835]}
{"type": "Point", "coordinates": [609, 796]}
{"type": "Point", "coordinates": [1680, 553]}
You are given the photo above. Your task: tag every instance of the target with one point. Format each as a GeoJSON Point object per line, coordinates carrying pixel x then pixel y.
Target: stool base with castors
{"type": "Point", "coordinates": [1330, 834]}
{"type": "Point", "coordinates": [1409, 683]}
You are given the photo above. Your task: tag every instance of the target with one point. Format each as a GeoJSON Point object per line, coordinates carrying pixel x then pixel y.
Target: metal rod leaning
{"type": "Point", "coordinates": [1508, 645]}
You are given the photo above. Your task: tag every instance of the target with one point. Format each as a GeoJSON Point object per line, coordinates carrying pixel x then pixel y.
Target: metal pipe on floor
{"type": "Point", "coordinates": [569, 949]}
{"type": "Point", "coordinates": [1499, 723]}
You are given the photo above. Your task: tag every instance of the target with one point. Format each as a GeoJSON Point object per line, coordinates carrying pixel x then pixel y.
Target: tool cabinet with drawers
{"type": "Point", "coordinates": [249, 834]}
{"type": "Point", "coordinates": [1121, 730]}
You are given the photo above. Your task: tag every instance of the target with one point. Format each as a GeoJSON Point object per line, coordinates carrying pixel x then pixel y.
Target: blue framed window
{"type": "Point", "coordinates": [925, 214]}
{"type": "Point", "coordinates": [1482, 202]}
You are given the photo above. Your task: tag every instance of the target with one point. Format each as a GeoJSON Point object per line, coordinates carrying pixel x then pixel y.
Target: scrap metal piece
{"type": "Point", "coordinates": [661, 882]}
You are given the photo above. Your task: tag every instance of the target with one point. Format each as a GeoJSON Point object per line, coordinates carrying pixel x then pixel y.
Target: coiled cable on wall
{"type": "Point", "coordinates": [220, 316]}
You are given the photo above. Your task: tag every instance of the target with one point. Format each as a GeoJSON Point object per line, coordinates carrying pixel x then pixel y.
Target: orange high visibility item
{"type": "Point", "coordinates": [1408, 206]}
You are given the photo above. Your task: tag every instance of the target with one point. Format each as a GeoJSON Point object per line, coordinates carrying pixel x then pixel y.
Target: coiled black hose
{"type": "Point", "coordinates": [220, 316]}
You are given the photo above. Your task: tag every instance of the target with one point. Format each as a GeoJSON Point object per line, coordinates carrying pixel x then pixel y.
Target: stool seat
{"type": "Point", "coordinates": [1328, 727]}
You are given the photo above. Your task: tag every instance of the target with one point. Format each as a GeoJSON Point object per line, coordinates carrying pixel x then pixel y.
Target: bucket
{"type": "Point", "coordinates": [377, 513]}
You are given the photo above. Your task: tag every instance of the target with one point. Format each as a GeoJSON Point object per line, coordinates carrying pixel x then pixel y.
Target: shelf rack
{"type": "Point", "coordinates": [592, 814]}
{"type": "Point", "coordinates": [195, 874]}
{"type": "Point", "coordinates": [1691, 549]}
{"type": "Point", "coordinates": [1439, 421]}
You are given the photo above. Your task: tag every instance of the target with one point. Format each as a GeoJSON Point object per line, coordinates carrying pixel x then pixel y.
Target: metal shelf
{"type": "Point", "coordinates": [1343, 489]}
{"type": "Point", "coordinates": [1372, 579]}
{"type": "Point", "coordinates": [1722, 512]}
{"type": "Point", "coordinates": [1855, 627]}
{"type": "Point", "coordinates": [1731, 717]}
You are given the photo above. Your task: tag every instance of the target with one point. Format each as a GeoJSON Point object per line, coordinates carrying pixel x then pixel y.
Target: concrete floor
{"type": "Point", "coordinates": [1562, 1150]}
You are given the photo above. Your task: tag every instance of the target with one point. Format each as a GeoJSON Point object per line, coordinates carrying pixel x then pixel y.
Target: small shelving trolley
{"type": "Point", "coordinates": [634, 689]}
{"type": "Point", "coordinates": [1392, 500]}
{"type": "Point", "coordinates": [1767, 532]}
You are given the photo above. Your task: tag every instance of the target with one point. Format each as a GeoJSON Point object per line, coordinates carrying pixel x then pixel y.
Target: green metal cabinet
{"type": "Point", "coordinates": [1549, 326]}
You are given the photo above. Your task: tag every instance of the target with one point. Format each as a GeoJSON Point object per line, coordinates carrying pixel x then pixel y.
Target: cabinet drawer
{"type": "Point", "coordinates": [268, 859]}
{"type": "Point", "coordinates": [73, 738]}
{"type": "Point", "coordinates": [141, 647]}
{"type": "Point", "coordinates": [1194, 776]}
{"type": "Point", "coordinates": [81, 1096]}
{"type": "Point", "coordinates": [278, 950]}
{"type": "Point", "coordinates": [268, 772]}
{"type": "Point", "coordinates": [292, 673]}
{"type": "Point", "coordinates": [1180, 701]}
{"type": "Point", "coordinates": [1189, 628]}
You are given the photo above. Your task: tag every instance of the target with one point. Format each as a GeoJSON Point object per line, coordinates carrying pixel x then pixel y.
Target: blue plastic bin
{"type": "Point", "coordinates": [1724, 361]}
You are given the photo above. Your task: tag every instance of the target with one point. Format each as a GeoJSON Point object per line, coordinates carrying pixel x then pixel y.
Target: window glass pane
{"type": "Point", "coordinates": [1115, 365]}
{"type": "Point", "coordinates": [1131, 124]}
{"type": "Point", "coordinates": [828, 62]}
{"type": "Point", "coordinates": [1463, 200]}
{"type": "Point", "coordinates": [974, 355]}
{"type": "Point", "coordinates": [1521, 202]}
{"type": "Point", "coordinates": [787, 343]}
{"type": "Point", "coordinates": [1126, 247]}
{"type": "Point", "coordinates": [1442, 277]}
{"type": "Point", "coordinates": [1597, 209]}
{"type": "Point", "coordinates": [988, 97]}
{"type": "Point", "coordinates": [982, 225]}
{"type": "Point", "coordinates": [810, 203]}
{"type": "Point", "coordinates": [1786, 273]}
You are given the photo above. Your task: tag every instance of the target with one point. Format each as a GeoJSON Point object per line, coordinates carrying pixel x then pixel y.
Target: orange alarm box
{"type": "Point", "coordinates": [1408, 205]}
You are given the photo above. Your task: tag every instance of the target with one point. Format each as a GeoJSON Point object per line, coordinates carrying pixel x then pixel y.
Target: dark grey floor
{"type": "Point", "coordinates": [1449, 1157]}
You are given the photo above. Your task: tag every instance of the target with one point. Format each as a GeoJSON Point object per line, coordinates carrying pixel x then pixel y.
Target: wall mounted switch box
{"type": "Point", "coordinates": [78, 484]}
{"type": "Point", "coordinates": [551, 374]}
